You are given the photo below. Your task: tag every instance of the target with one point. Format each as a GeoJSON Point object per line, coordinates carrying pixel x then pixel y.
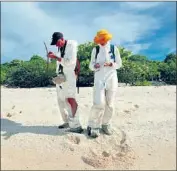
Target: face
{"type": "Point", "coordinates": [60, 42]}
{"type": "Point", "coordinates": [103, 41]}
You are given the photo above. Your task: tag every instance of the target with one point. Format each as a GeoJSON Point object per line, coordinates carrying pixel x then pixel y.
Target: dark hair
{"type": "Point", "coordinates": [55, 37]}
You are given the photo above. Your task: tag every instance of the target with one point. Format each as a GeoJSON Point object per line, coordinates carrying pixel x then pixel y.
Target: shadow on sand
{"type": "Point", "coordinates": [11, 128]}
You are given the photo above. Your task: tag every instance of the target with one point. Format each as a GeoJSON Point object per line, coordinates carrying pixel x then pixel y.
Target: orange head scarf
{"type": "Point", "coordinates": [102, 37]}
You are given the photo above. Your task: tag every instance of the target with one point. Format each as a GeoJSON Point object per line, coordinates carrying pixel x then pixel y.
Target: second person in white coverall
{"type": "Point", "coordinates": [66, 91]}
{"type": "Point", "coordinates": [104, 65]}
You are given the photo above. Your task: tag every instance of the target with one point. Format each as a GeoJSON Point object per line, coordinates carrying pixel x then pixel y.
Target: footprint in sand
{"type": "Point", "coordinates": [71, 148]}
{"type": "Point", "coordinates": [106, 154]}
{"type": "Point", "coordinates": [127, 111]}
{"type": "Point", "coordinates": [136, 106]}
{"type": "Point", "coordinates": [9, 115]}
{"type": "Point", "coordinates": [106, 159]}
{"type": "Point", "coordinates": [74, 139]}
{"type": "Point", "coordinates": [109, 152]}
{"type": "Point", "coordinates": [96, 161]}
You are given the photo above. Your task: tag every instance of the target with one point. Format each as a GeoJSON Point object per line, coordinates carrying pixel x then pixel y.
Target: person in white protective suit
{"type": "Point", "coordinates": [66, 91]}
{"type": "Point", "coordinates": [105, 60]}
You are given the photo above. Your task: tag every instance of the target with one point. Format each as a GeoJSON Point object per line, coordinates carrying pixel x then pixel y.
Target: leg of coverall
{"type": "Point", "coordinates": [109, 107]}
{"type": "Point", "coordinates": [111, 89]}
{"type": "Point", "coordinates": [62, 104]}
{"type": "Point", "coordinates": [73, 113]}
{"type": "Point", "coordinates": [97, 109]}
{"type": "Point", "coordinates": [72, 106]}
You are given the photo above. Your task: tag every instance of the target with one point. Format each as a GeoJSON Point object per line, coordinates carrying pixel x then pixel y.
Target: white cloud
{"type": "Point", "coordinates": [140, 5]}
{"type": "Point", "coordinates": [128, 27]}
{"type": "Point", "coordinates": [136, 48]}
{"type": "Point", "coordinates": [27, 22]}
{"type": "Point", "coordinates": [33, 26]}
{"type": "Point", "coordinates": [25, 26]}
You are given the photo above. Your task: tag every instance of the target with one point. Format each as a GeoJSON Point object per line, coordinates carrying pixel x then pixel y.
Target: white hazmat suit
{"type": "Point", "coordinates": [105, 86]}
{"type": "Point", "coordinates": [67, 89]}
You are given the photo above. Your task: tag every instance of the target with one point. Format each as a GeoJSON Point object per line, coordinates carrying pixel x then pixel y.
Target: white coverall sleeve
{"type": "Point", "coordinates": [118, 61]}
{"type": "Point", "coordinates": [57, 68]}
{"type": "Point", "coordinates": [70, 57]}
{"type": "Point", "coordinates": [92, 61]}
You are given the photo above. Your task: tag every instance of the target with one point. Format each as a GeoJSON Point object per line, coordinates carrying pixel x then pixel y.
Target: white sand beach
{"type": "Point", "coordinates": [144, 131]}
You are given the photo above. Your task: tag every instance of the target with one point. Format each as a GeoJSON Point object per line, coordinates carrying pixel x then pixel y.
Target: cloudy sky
{"type": "Point", "coordinates": [146, 28]}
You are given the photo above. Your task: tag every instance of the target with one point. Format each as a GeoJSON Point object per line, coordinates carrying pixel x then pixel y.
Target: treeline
{"type": "Point", "coordinates": [137, 70]}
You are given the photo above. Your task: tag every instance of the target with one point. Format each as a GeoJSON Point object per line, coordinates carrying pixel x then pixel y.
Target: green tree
{"type": "Point", "coordinates": [124, 53]}
{"type": "Point", "coordinates": [136, 69]}
{"type": "Point", "coordinates": [84, 56]}
{"type": "Point", "coordinates": [15, 62]}
{"type": "Point", "coordinates": [137, 58]}
{"type": "Point", "coordinates": [31, 73]}
{"type": "Point", "coordinates": [170, 58]}
{"type": "Point", "coordinates": [168, 69]}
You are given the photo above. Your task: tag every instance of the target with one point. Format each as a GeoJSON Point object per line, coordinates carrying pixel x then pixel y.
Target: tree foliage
{"type": "Point", "coordinates": [136, 69]}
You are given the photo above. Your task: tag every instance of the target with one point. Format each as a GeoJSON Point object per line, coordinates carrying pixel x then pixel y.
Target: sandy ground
{"type": "Point", "coordinates": [144, 137]}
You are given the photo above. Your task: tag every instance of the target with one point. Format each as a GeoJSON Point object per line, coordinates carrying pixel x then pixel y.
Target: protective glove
{"type": "Point", "coordinates": [97, 65]}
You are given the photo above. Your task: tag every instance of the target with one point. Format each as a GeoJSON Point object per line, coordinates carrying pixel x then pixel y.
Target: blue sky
{"type": "Point", "coordinates": [147, 28]}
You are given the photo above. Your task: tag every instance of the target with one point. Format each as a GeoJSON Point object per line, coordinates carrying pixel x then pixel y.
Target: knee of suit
{"type": "Point", "coordinates": [110, 105]}
{"type": "Point", "coordinates": [99, 102]}
{"type": "Point", "coordinates": [99, 106]}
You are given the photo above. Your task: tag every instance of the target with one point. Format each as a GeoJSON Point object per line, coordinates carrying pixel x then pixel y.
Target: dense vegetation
{"type": "Point", "coordinates": [136, 70]}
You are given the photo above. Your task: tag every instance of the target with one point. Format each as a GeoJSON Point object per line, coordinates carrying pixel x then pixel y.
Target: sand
{"type": "Point", "coordinates": [144, 131]}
